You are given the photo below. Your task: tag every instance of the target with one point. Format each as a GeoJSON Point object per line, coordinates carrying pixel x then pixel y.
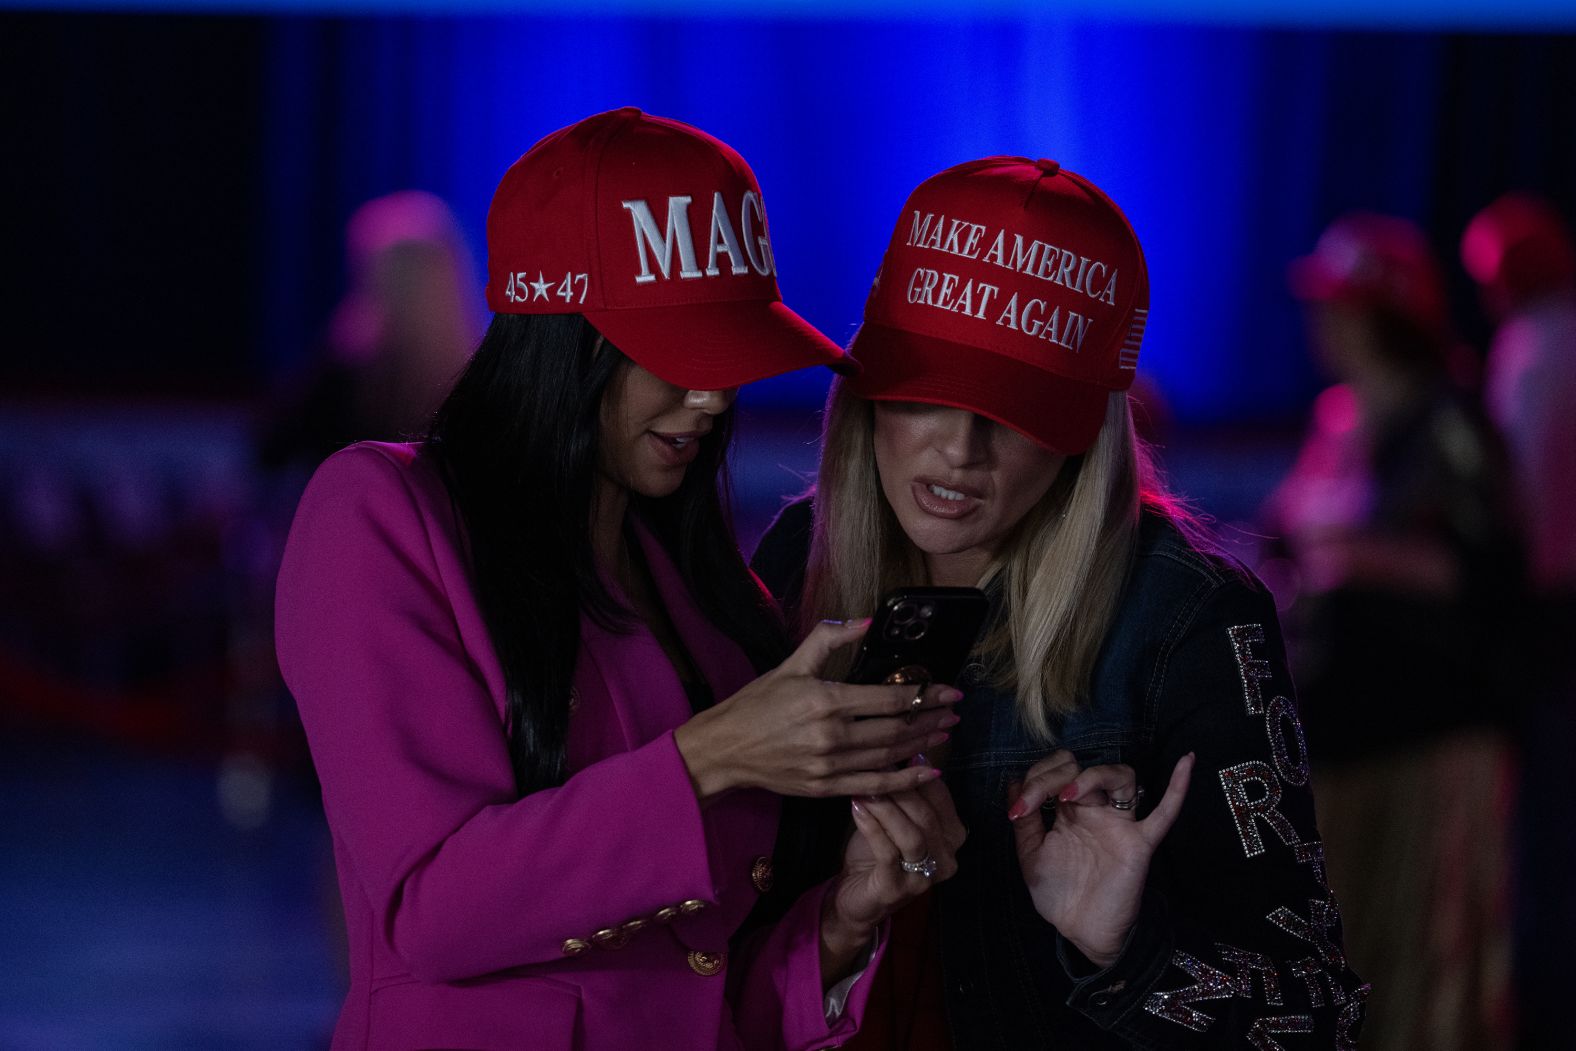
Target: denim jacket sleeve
{"type": "Point", "coordinates": [1238, 940]}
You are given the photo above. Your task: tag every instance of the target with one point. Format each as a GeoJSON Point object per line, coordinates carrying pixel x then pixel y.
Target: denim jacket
{"type": "Point", "coordinates": [1238, 940]}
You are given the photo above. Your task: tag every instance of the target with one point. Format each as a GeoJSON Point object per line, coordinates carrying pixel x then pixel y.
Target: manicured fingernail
{"type": "Point", "coordinates": [935, 739]}
{"type": "Point", "coordinates": [1069, 793]}
{"type": "Point", "coordinates": [949, 720]}
{"type": "Point", "coordinates": [929, 773]}
{"type": "Point", "coordinates": [1016, 811]}
{"type": "Point", "coordinates": [951, 695]}
{"type": "Point", "coordinates": [854, 803]}
{"type": "Point", "coordinates": [919, 760]}
{"type": "Point", "coordinates": [859, 622]}
{"type": "Point", "coordinates": [834, 622]}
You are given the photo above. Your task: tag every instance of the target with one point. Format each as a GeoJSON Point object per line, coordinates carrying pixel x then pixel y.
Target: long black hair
{"type": "Point", "coordinates": [517, 444]}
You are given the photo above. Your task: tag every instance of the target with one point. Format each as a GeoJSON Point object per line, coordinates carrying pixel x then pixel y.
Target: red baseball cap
{"type": "Point", "coordinates": [1518, 248]}
{"type": "Point", "coordinates": [654, 231]}
{"type": "Point", "coordinates": [1011, 288]}
{"type": "Point", "coordinates": [1374, 261]}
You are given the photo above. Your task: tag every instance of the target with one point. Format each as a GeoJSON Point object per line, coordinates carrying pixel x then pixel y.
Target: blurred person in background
{"type": "Point", "coordinates": [551, 710]}
{"type": "Point", "coordinates": [1519, 251]}
{"type": "Point", "coordinates": [1397, 522]}
{"type": "Point", "coordinates": [403, 331]}
{"type": "Point", "coordinates": [1143, 866]}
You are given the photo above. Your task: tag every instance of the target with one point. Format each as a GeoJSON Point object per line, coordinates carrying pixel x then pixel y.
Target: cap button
{"type": "Point", "coordinates": [1048, 167]}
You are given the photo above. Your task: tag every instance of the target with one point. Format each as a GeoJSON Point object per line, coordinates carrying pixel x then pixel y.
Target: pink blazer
{"type": "Point", "coordinates": [592, 915]}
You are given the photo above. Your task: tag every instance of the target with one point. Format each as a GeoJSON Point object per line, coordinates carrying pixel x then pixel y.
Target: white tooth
{"type": "Point", "coordinates": [945, 493]}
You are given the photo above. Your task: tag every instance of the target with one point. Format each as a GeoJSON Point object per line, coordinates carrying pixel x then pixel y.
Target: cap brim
{"type": "Point", "coordinates": [1061, 414]}
{"type": "Point", "coordinates": [714, 346]}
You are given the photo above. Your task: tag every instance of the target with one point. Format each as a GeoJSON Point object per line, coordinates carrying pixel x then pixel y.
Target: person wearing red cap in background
{"type": "Point", "coordinates": [403, 330]}
{"type": "Point", "coordinates": [548, 704]}
{"type": "Point", "coordinates": [1519, 252]}
{"type": "Point", "coordinates": [1143, 867]}
{"type": "Point", "coordinates": [1401, 574]}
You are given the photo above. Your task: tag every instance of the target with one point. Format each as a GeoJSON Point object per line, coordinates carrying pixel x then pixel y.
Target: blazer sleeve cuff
{"type": "Point", "coordinates": [619, 841]}
{"type": "Point", "coordinates": [785, 992]}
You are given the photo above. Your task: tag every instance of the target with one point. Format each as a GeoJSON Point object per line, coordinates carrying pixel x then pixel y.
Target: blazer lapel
{"type": "Point", "coordinates": [741, 826]}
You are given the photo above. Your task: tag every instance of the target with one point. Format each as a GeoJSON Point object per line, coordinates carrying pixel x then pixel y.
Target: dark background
{"type": "Point", "coordinates": [177, 186]}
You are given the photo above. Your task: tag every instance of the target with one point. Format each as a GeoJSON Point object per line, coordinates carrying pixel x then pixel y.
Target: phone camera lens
{"type": "Point", "coordinates": [927, 611]}
{"type": "Point", "coordinates": [915, 630]}
{"type": "Point", "coordinates": [904, 613]}
{"type": "Point", "coordinates": [894, 631]}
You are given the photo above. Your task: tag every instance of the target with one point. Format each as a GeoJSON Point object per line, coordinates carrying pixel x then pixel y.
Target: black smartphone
{"type": "Point", "coordinates": [920, 635]}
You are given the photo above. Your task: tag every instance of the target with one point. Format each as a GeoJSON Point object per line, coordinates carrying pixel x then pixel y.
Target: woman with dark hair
{"type": "Point", "coordinates": [550, 708]}
{"type": "Point", "coordinates": [1143, 868]}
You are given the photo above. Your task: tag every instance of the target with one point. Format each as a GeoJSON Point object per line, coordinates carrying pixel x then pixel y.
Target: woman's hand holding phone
{"type": "Point", "coordinates": [794, 733]}
{"type": "Point", "coordinates": [911, 826]}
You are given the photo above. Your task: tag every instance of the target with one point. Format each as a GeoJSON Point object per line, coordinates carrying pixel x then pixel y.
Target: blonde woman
{"type": "Point", "coordinates": [1143, 867]}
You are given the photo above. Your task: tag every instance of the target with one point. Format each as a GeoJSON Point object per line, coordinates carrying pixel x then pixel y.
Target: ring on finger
{"type": "Point", "coordinates": [920, 678]}
{"type": "Point", "coordinates": [1130, 802]}
{"type": "Point", "coordinates": [925, 866]}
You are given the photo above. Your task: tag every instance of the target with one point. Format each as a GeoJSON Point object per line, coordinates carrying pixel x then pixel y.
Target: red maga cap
{"type": "Point", "coordinates": [1014, 289]}
{"type": "Point", "coordinates": [655, 231]}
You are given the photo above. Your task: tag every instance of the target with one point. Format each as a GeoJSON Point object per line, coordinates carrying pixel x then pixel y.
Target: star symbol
{"type": "Point", "coordinates": [541, 285]}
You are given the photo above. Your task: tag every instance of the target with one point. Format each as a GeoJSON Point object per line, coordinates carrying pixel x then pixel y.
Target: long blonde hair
{"type": "Point", "coordinates": [1060, 573]}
